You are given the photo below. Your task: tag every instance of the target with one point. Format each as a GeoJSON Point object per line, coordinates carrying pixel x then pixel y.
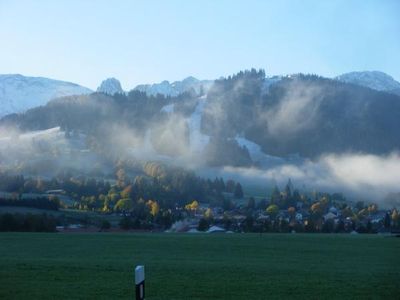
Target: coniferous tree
{"type": "Point", "coordinates": [238, 191]}
{"type": "Point", "coordinates": [251, 203]}
{"type": "Point", "coordinates": [275, 195]}
{"type": "Point", "coordinates": [387, 221]}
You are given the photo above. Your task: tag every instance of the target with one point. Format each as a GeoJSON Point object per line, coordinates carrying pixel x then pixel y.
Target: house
{"type": "Point", "coordinates": [263, 218]}
{"type": "Point", "coordinates": [180, 226]}
{"type": "Point", "coordinates": [299, 217]}
{"type": "Point", "coordinates": [215, 229]}
{"type": "Point", "coordinates": [378, 217]}
{"type": "Point", "coordinates": [333, 210]}
{"type": "Point", "coordinates": [239, 218]}
{"type": "Point", "coordinates": [329, 216]}
{"type": "Point", "coordinates": [55, 192]}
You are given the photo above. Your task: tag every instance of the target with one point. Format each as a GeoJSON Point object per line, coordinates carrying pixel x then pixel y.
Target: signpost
{"type": "Point", "coordinates": [139, 282]}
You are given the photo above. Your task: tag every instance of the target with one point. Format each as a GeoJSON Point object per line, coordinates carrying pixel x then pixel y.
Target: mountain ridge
{"type": "Point", "coordinates": [295, 115]}
{"type": "Point", "coordinates": [175, 88]}
{"type": "Point", "coordinates": [376, 80]}
{"type": "Point", "coordinates": [19, 93]}
{"type": "Point", "coordinates": [110, 86]}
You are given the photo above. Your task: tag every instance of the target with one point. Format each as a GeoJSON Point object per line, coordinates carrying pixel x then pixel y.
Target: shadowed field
{"type": "Point", "coordinates": [235, 266]}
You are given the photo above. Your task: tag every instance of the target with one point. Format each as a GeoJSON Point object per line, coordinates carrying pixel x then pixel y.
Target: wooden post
{"type": "Point", "coordinates": [139, 282]}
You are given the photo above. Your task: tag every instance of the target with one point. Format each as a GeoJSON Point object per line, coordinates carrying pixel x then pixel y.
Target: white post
{"type": "Point", "coordinates": [139, 282]}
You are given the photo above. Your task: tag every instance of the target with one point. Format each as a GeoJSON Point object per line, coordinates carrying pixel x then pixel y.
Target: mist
{"type": "Point", "coordinates": [358, 176]}
{"type": "Point", "coordinates": [295, 112]}
{"type": "Point", "coordinates": [178, 137]}
{"type": "Point", "coordinates": [171, 137]}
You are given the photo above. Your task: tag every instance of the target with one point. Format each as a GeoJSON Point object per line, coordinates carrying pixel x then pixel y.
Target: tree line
{"type": "Point", "coordinates": [27, 222]}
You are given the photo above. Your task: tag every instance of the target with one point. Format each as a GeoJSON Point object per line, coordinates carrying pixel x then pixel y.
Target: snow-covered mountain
{"type": "Point", "coordinates": [110, 86]}
{"type": "Point", "coordinates": [175, 88]}
{"type": "Point", "coordinates": [19, 93]}
{"type": "Point", "coordinates": [373, 79]}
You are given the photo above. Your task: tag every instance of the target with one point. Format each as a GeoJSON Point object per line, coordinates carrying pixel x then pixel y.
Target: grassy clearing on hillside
{"type": "Point", "coordinates": [182, 266]}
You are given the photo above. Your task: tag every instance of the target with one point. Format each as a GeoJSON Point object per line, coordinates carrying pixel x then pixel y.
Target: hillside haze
{"type": "Point", "coordinates": [283, 116]}
{"type": "Point", "coordinates": [301, 126]}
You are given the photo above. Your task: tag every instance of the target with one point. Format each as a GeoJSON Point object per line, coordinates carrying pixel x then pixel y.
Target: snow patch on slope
{"type": "Point", "coordinates": [176, 88]}
{"type": "Point", "coordinates": [169, 109]}
{"type": "Point", "coordinates": [257, 155]}
{"type": "Point", "coordinates": [373, 79]}
{"type": "Point", "coordinates": [47, 134]}
{"type": "Point", "coordinates": [19, 93]}
{"type": "Point", "coordinates": [198, 140]}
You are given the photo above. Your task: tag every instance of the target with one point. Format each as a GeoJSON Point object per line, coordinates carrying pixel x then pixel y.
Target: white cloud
{"type": "Point", "coordinates": [296, 111]}
{"type": "Point", "coordinates": [357, 175]}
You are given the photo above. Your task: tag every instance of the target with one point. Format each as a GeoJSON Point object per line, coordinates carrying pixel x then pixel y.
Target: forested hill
{"type": "Point", "coordinates": [303, 114]}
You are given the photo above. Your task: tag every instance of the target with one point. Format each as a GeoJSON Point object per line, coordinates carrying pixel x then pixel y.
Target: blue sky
{"type": "Point", "coordinates": [148, 41]}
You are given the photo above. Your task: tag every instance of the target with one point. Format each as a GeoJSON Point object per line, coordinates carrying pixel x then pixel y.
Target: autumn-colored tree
{"type": "Point", "coordinates": [192, 206]}
{"type": "Point", "coordinates": [395, 218]}
{"type": "Point", "coordinates": [154, 207]}
{"type": "Point", "coordinates": [372, 208]}
{"type": "Point", "coordinates": [208, 214]}
{"type": "Point", "coordinates": [317, 208]}
{"type": "Point", "coordinates": [107, 205]}
{"type": "Point", "coordinates": [273, 209]}
{"type": "Point", "coordinates": [126, 192]}
{"type": "Point", "coordinates": [124, 205]}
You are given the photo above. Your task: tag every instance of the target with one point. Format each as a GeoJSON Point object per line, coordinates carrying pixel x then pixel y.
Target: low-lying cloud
{"type": "Point", "coordinates": [360, 176]}
{"type": "Point", "coordinates": [363, 171]}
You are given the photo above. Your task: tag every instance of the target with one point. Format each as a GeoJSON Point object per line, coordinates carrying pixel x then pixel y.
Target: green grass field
{"type": "Point", "coordinates": [182, 266]}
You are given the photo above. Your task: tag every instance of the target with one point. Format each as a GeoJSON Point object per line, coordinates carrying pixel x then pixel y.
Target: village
{"type": "Point", "coordinates": [319, 217]}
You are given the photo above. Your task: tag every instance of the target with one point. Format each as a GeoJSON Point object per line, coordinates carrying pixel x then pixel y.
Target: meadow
{"type": "Point", "coordinates": [199, 266]}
